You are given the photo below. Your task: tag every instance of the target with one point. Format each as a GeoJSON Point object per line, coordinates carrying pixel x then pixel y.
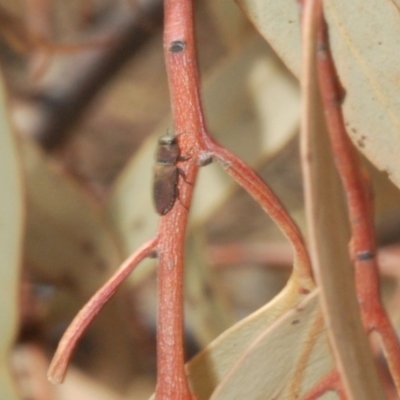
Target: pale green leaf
{"type": "Point", "coordinates": [219, 359]}
{"type": "Point", "coordinates": [284, 361]}
{"type": "Point", "coordinates": [365, 39]}
{"type": "Point", "coordinates": [11, 235]}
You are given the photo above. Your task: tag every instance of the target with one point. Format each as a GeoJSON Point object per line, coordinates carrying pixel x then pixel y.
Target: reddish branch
{"type": "Point", "coordinates": [70, 338]}
{"type": "Point", "coordinates": [196, 147]}
{"type": "Point", "coordinates": [180, 58]}
{"type": "Point", "coordinates": [264, 196]}
{"type": "Point", "coordinates": [363, 243]}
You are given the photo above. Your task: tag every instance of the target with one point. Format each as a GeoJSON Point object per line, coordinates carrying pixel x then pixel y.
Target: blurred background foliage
{"type": "Point", "coordinates": [84, 99]}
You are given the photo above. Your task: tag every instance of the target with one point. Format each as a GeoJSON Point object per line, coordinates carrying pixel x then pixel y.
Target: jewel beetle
{"type": "Point", "coordinates": [166, 174]}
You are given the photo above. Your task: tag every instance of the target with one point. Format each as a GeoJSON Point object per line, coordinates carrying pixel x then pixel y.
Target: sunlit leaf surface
{"type": "Point", "coordinates": [284, 361]}
{"type": "Point", "coordinates": [365, 40]}
{"type": "Point", "coordinates": [261, 350]}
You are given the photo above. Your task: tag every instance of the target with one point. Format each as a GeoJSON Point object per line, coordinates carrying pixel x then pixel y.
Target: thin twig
{"type": "Point", "coordinates": [266, 198]}
{"type": "Point", "coordinates": [194, 140]}
{"type": "Point", "coordinates": [363, 243]}
{"type": "Point", "coordinates": [58, 367]}
{"type": "Point", "coordinates": [181, 64]}
{"type": "Point", "coordinates": [328, 233]}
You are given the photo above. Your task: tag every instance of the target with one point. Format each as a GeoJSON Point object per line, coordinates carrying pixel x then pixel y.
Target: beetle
{"type": "Point", "coordinates": [166, 174]}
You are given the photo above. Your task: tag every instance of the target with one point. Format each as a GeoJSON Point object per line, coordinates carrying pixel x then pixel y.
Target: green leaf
{"type": "Point", "coordinates": [11, 234]}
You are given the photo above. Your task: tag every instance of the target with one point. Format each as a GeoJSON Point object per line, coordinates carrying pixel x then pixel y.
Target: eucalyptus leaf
{"type": "Point", "coordinates": [365, 39]}
{"type": "Point", "coordinates": [11, 237]}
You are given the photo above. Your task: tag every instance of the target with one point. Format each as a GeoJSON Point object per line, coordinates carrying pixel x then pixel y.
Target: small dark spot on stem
{"type": "Point", "coordinates": [177, 46]}
{"type": "Point", "coordinates": [295, 321]}
{"type": "Point", "coordinates": [153, 254]}
{"type": "Point", "coordinates": [366, 255]}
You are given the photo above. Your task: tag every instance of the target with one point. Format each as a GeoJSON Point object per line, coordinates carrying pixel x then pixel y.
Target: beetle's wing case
{"type": "Point", "coordinates": [165, 188]}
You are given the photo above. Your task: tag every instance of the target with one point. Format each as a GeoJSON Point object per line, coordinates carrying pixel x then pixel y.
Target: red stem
{"type": "Point", "coordinates": [363, 243]}
{"type": "Point", "coordinates": [195, 146]}
{"type": "Point", "coordinates": [68, 342]}
{"type": "Point", "coordinates": [257, 188]}
{"type": "Point", "coordinates": [180, 58]}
